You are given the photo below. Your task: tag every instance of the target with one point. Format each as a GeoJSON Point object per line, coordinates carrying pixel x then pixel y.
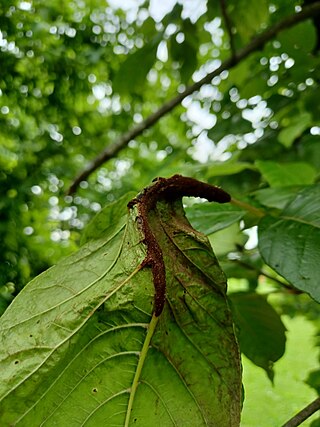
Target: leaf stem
{"type": "Point", "coordinates": [304, 414]}
{"type": "Point", "coordinates": [287, 286]}
{"type": "Point", "coordinates": [253, 210]}
{"type": "Point", "coordinates": [143, 354]}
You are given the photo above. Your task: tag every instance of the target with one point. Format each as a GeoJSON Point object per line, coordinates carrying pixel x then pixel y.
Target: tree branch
{"type": "Point", "coordinates": [257, 43]}
{"type": "Point", "coordinates": [228, 25]}
{"type": "Point", "coordinates": [304, 414]}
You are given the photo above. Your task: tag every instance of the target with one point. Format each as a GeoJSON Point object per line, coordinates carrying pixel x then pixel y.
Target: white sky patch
{"type": "Point", "coordinates": [99, 91]}
{"type": "Point", "coordinates": [125, 5]}
{"type": "Point", "coordinates": [315, 130]}
{"type": "Point", "coordinates": [205, 150]}
{"type": "Point", "coordinates": [192, 9]}
{"type": "Point", "coordinates": [24, 5]}
{"type": "Point", "coordinates": [252, 233]}
{"type": "Point", "coordinates": [202, 149]}
{"type": "Point", "coordinates": [257, 114]}
{"type": "Point", "coordinates": [162, 51]}
{"type": "Point", "coordinates": [200, 116]}
{"type": "Point", "coordinates": [158, 9]}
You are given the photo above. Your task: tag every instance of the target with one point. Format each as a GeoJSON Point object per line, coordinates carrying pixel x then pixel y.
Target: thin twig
{"type": "Point", "coordinates": [251, 209]}
{"type": "Point", "coordinates": [268, 276]}
{"type": "Point", "coordinates": [111, 150]}
{"type": "Point", "coordinates": [304, 414]}
{"type": "Point", "coordinates": [289, 288]}
{"type": "Point", "coordinates": [228, 25]}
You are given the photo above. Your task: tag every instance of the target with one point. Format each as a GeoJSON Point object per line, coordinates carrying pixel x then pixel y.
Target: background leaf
{"type": "Point", "coordinates": [247, 18]}
{"type": "Point", "coordinates": [295, 127]}
{"type": "Point", "coordinates": [276, 197]}
{"type": "Point", "coordinates": [261, 332]}
{"type": "Point", "coordinates": [285, 174]}
{"type": "Point", "coordinates": [290, 243]}
{"type": "Point", "coordinates": [209, 218]}
{"type": "Point", "coordinates": [300, 39]}
{"type": "Point", "coordinates": [227, 240]}
{"type": "Point", "coordinates": [128, 79]}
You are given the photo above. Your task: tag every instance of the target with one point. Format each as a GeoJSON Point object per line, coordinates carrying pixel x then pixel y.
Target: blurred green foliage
{"type": "Point", "coordinates": [75, 76]}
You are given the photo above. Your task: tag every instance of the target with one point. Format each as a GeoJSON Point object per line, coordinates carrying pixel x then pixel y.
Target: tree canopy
{"type": "Point", "coordinates": [99, 98]}
{"type": "Point", "coordinates": [77, 76]}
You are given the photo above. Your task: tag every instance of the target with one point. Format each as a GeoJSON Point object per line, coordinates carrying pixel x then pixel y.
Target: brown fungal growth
{"type": "Point", "coordinates": [169, 189]}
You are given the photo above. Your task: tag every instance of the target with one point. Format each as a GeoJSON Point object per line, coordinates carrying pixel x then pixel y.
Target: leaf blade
{"type": "Point", "coordinates": [290, 243]}
{"type": "Point", "coordinates": [208, 218]}
{"type": "Point", "coordinates": [98, 333]}
{"type": "Point", "coordinates": [261, 332]}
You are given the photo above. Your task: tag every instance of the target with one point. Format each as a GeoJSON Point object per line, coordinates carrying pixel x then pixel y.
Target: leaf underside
{"type": "Point", "coordinates": [290, 243]}
{"type": "Point", "coordinates": [73, 338]}
{"type": "Point", "coordinates": [261, 333]}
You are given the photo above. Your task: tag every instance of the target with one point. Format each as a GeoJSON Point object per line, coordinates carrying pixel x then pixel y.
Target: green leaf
{"type": "Point", "coordinates": [186, 52]}
{"type": "Point", "coordinates": [310, 150]}
{"type": "Point", "coordinates": [236, 125]}
{"type": "Point", "coordinates": [132, 73]}
{"type": "Point", "coordinates": [246, 265]}
{"type": "Point", "coordinates": [248, 18]}
{"type": "Point", "coordinates": [311, 104]}
{"type": "Point", "coordinates": [286, 174]}
{"type": "Point", "coordinates": [227, 168]}
{"type": "Point", "coordinates": [208, 218]}
{"type": "Point", "coordinates": [217, 168]}
{"type": "Point", "coordinates": [276, 197]}
{"type": "Point", "coordinates": [294, 128]}
{"type": "Point", "coordinates": [290, 244]}
{"type": "Point", "coordinates": [261, 332]}
{"type": "Point", "coordinates": [111, 219]}
{"type": "Point", "coordinates": [228, 240]}
{"type": "Point", "coordinates": [8, 159]}
{"type": "Point", "coordinates": [299, 39]}
{"type": "Point", "coordinates": [81, 345]}
{"type": "Point", "coordinates": [313, 380]}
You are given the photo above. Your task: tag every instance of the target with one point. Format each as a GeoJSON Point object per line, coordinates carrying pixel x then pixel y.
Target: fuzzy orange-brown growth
{"type": "Point", "coordinates": [169, 189]}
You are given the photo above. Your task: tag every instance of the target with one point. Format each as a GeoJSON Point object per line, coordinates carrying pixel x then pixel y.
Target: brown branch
{"type": "Point", "coordinates": [304, 414]}
{"type": "Point", "coordinates": [257, 43]}
{"type": "Point", "coordinates": [228, 24]}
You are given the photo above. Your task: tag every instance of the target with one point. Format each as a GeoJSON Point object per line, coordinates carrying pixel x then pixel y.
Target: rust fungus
{"type": "Point", "coordinates": [169, 189]}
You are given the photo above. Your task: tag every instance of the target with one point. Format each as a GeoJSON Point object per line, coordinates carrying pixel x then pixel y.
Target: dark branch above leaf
{"type": "Point", "coordinates": [257, 43]}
